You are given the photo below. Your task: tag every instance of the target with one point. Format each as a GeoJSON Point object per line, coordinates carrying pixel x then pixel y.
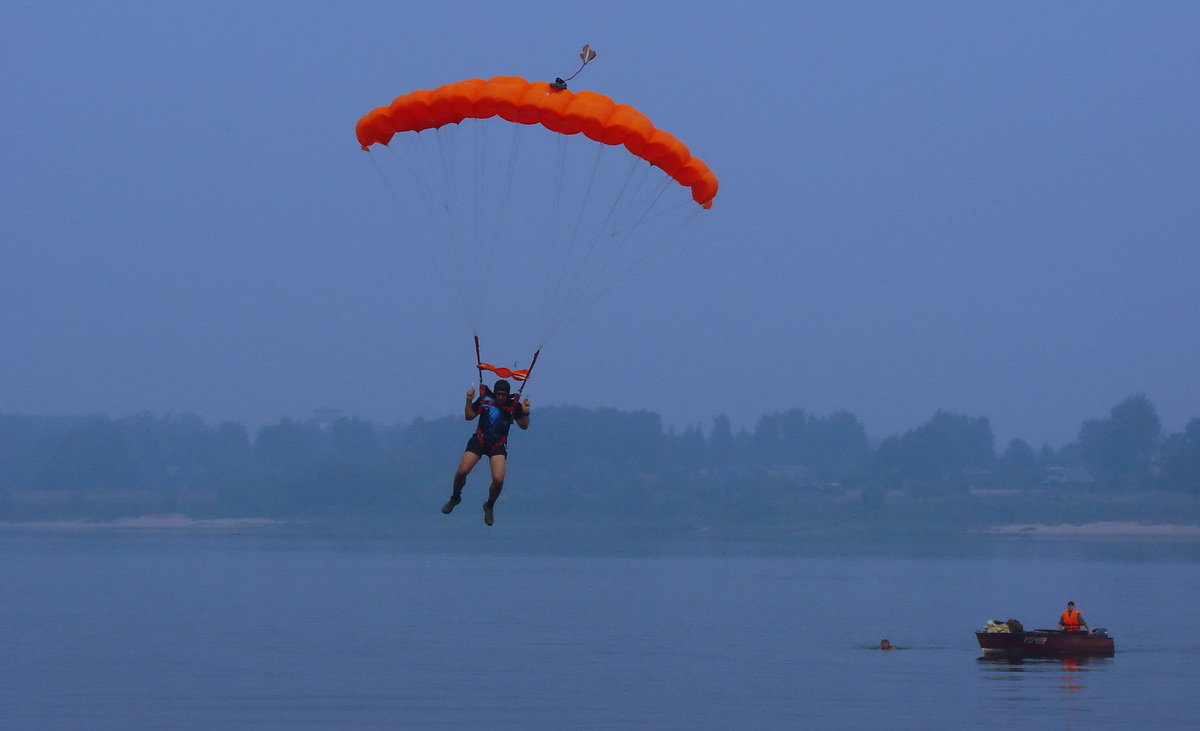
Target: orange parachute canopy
{"type": "Point", "coordinates": [520, 375]}
{"type": "Point", "coordinates": [516, 100]}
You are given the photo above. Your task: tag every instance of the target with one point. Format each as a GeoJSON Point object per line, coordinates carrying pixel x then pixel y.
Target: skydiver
{"type": "Point", "coordinates": [497, 411]}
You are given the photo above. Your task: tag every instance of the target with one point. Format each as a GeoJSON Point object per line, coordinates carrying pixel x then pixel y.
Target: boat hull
{"type": "Point", "coordinates": [1046, 643]}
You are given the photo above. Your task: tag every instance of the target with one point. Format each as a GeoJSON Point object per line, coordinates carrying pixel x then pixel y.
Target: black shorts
{"type": "Point", "coordinates": [477, 446]}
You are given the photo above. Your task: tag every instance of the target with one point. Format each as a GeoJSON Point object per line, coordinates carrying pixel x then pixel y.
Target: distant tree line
{"type": "Point", "coordinates": [572, 459]}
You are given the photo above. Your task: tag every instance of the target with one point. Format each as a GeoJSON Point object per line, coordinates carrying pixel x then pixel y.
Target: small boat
{"type": "Point", "coordinates": [1047, 643]}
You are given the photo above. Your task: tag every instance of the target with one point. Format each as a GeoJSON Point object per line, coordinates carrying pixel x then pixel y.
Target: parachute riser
{"type": "Point", "coordinates": [529, 371]}
{"type": "Point", "coordinates": [478, 360]}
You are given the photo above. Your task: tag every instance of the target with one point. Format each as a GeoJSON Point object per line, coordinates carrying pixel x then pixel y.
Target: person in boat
{"type": "Point", "coordinates": [1071, 620]}
{"type": "Point", "coordinates": [496, 410]}
{"type": "Point", "coordinates": [885, 645]}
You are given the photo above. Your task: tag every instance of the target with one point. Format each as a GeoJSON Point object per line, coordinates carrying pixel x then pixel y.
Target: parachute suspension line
{"type": "Point", "coordinates": [432, 192]}
{"type": "Point", "coordinates": [447, 147]}
{"type": "Point", "coordinates": [568, 280]}
{"type": "Point", "coordinates": [620, 239]}
{"type": "Point", "coordinates": [556, 250]}
{"type": "Point", "coordinates": [481, 140]}
{"type": "Point", "coordinates": [601, 279]}
{"type": "Point", "coordinates": [633, 167]}
{"type": "Point", "coordinates": [506, 194]}
{"type": "Point", "coordinates": [568, 283]}
{"type": "Point", "coordinates": [555, 254]}
{"type": "Point", "coordinates": [456, 189]}
{"type": "Point", "coordinates": [391, 189]}
{"type": "Point", "coordinates": [630, 203]}
{"type": "Point", "coordinates": [582, 307]}
{"type": "Point", "coordinates": [444, 198]}
{"type": "Point", "coordinates": [477, 211]}
{"type": "Point", "coordinates": [560, 155]}
{"type": "Point", "coordinates": [559, 287]}
{"type": "Point", "coordinates": [588, 192]}
{"type": "Point", "coordinates": [404, 213]}
{"type": "Point", "coordinates": [550, 300]}
{"type": "Point", "coordinates": [454, 156]}
{"type": "Point", "coordinates": [416, 171]}
{"type": "Point", "coordinates": [664, 211]}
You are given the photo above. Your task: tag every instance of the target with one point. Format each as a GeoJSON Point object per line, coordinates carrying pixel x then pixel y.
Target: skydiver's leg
{"type": "Point", "coordinates": [465, 465]}
{"type": "Point", "coordinates": [498, 463]}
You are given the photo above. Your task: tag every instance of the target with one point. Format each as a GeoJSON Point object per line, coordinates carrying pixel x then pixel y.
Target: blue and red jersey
{"type": "Point", "coordinates": [495, 419]}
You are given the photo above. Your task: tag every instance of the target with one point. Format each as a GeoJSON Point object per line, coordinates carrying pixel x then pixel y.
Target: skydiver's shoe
{"type": "Point", "coordinates": [487, 514]}
{"type": "Point", "coordinates": [449, 506]}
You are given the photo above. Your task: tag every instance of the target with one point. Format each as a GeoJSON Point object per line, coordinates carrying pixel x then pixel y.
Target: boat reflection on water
{"type": "Point", "coordinates": [1017, 663]}
{"type": "Point", "coordinates": [1035, 676]}
{"type": "Point", "coordinates": [1071, 674]}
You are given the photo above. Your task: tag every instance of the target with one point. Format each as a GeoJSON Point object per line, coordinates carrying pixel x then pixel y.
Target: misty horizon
{"type": "Point", "coordinates": [328, 414]}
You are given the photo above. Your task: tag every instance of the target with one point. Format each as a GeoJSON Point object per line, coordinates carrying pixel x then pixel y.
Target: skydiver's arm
{"type": "Point", "coordinates": [523, 419]}
{"type": "Point", "coordinates": [469, 410]}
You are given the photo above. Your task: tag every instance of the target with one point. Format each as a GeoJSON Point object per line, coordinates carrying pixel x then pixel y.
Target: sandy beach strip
{"type": "Point", "coordinates": [1105, 529]}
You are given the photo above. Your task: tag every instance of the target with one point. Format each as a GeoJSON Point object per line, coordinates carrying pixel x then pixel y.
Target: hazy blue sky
{"type": "Point", "coordinates": [983, 208]}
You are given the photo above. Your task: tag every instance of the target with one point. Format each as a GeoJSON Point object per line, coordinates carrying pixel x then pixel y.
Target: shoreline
{"type": "Point", "coordinates": [1097, 530]}
{"type": "Point", "coordinates": [156, 521]}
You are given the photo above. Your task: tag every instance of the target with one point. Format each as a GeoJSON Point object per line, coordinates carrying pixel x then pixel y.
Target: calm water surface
{"type": "Point", "coordinates": [186, 631]}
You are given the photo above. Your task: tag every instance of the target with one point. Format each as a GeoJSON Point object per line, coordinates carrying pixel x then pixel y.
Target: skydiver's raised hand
{"type": "Point", "coordinates": [469, 410]}
{"type": "Point", "coordinates": [525, 405]}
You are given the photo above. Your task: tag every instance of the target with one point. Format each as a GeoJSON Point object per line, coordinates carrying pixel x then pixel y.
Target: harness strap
{"type": "Point", "coordinates": [488, 446]}
{"type": "Point", "coordinates": [528, 371]}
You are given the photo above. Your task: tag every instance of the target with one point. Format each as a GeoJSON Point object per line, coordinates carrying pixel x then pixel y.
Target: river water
{"type": "Point", "coordinates": [199, 631]}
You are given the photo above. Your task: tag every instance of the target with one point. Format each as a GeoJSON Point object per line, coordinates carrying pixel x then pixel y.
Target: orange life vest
{"type": "Point", "coordinates": [1070, 620]}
